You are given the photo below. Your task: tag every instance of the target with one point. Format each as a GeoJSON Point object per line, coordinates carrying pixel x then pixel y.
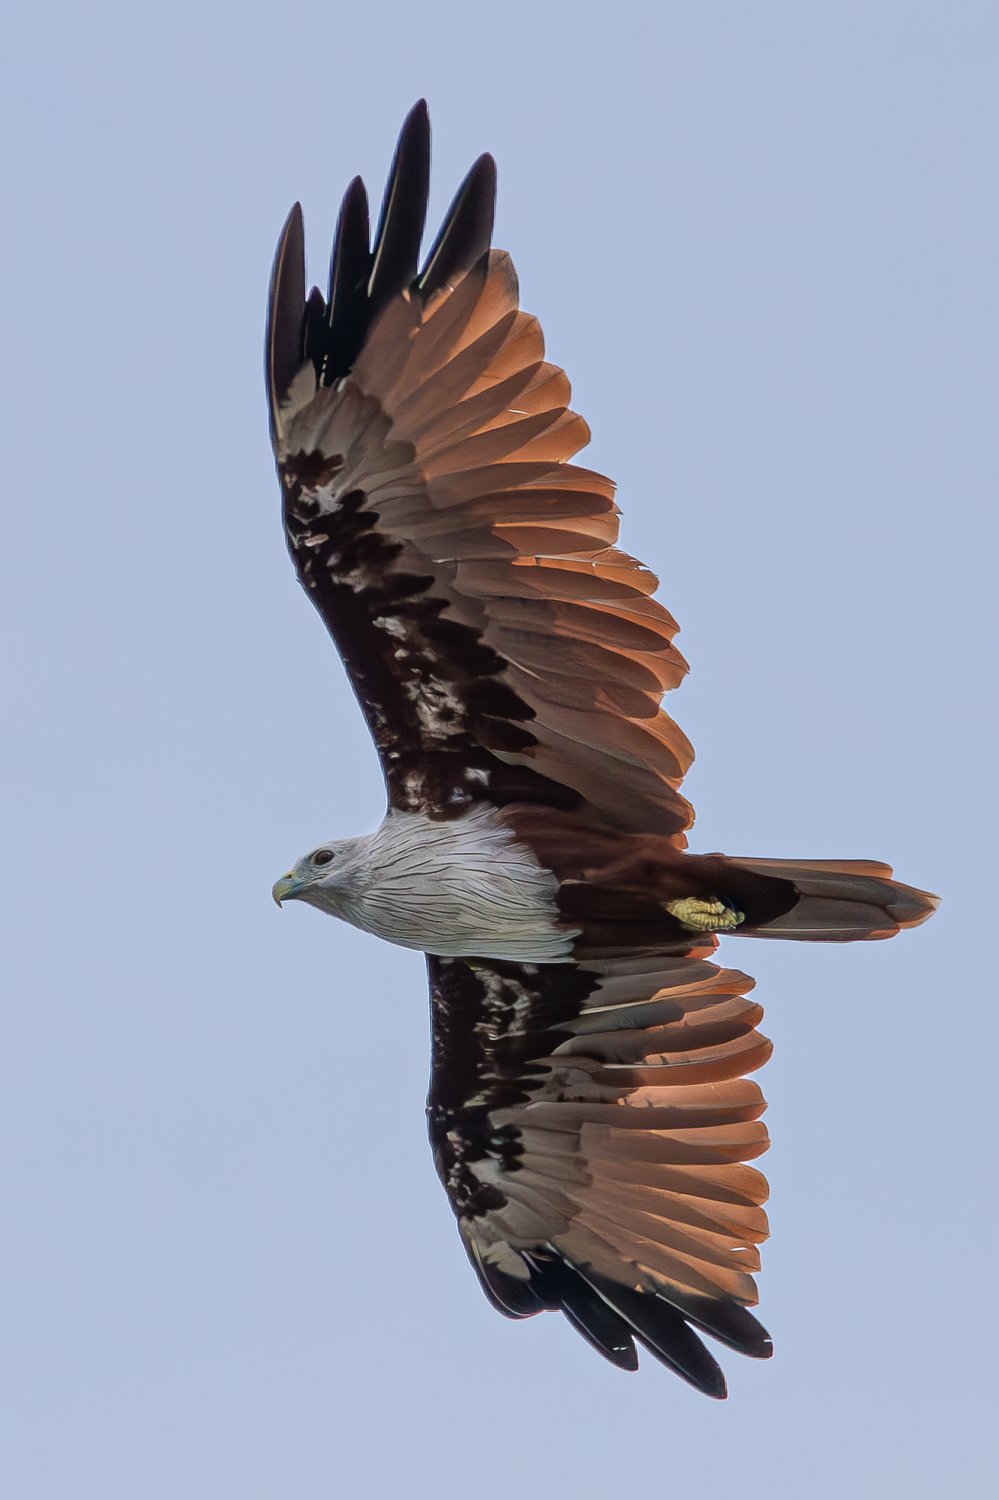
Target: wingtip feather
{"type": "Point", "coordinates": [466, 233]}
{"type": "Point", "coordinates": [286, 309]}
{"type": "Point", "coordinates": [403, 215]}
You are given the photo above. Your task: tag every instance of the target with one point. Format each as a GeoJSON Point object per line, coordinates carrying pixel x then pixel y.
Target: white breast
{"type": "Point", "coordinates": [462, 888]}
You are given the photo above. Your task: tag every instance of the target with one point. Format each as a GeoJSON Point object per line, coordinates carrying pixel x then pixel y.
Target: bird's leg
{"type": "Point", "coordinates": [698, 914]}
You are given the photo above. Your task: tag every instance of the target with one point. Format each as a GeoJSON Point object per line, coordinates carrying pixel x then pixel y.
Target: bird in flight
{"type": "Point", "coordinates": [589, 1110]}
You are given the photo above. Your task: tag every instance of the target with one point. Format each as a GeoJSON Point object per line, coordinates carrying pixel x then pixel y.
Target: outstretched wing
{"type": "Point", "coordinates": [591, 1126]}
{"type": "Point", "coordinates": [500, 645]}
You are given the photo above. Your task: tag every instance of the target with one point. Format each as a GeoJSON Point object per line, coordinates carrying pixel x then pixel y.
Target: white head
{"type": "Point", "coordinates": [325, 877]}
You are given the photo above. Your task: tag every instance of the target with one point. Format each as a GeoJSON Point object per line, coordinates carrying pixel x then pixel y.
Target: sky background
{"type": "Point", "coordinates": [762, 238]}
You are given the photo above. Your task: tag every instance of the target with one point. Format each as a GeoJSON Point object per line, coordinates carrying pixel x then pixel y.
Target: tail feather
{"type": "Point", "coordinates": [840, 901]}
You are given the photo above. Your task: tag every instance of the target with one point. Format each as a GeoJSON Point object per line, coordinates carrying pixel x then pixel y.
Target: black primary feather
{"type": "Point", "coordinates": [561, 1289]}
{"type": "Point", "coordinates": [286, 307]}
{"type": "Point", "coordinates": [727, 1322]}
{"type": "Point", "coordinates": [347, 301]}
{"type": "Point", "coordinates": [396, 253]}
{"type": "Point", "coordinates": [314, 332]}
{"type": "Point", "coordinates": [363, 280]}
{"type": "Point", "coordinates": [664, 1332]}
{"type": "Point", "coordinates": [467, 230]}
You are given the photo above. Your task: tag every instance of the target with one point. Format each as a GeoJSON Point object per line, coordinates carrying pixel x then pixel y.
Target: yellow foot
{"type": "Point", "coordinates": [705, 916]}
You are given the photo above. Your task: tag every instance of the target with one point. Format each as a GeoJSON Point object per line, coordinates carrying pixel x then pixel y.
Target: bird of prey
{"type": "Point", "coordinates": [589, 1109]}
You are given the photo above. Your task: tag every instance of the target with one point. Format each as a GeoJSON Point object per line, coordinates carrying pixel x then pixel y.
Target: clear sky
{"type": "Point", "coordinates": [762, 238]}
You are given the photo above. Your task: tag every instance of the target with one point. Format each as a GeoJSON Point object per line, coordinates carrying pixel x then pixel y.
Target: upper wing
{"type": "Point", "coordinates": [590, 1125]}
{"type": "Point", "coordinates": [500, 645]}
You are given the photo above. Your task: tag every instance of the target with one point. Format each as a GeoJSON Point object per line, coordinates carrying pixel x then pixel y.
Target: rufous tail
{"type": "Point", "coordinates": [840, 900]}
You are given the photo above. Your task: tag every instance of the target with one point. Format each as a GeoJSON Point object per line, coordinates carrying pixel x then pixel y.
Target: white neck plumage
{"type": "Point", "coordinates": [461, 888]}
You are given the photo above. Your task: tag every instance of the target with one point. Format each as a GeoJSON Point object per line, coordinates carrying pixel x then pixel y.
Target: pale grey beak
{"type": "Point", "coordinates": [287, 888]}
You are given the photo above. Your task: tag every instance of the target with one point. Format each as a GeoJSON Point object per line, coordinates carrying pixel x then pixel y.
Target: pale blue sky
{"type": "Point", "coordinates": [762, 239]}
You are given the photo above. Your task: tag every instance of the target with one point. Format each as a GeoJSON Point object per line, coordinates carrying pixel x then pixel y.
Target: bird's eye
{"type": "Point", "coordinates": [322, 857]}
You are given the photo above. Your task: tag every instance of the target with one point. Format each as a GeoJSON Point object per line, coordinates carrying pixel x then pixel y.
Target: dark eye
{"type": "Point", "coordinates": [322, 857]}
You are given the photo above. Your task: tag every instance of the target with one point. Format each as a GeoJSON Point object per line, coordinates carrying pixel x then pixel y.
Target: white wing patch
{"type": "Point", "coordinates": [438, 707]}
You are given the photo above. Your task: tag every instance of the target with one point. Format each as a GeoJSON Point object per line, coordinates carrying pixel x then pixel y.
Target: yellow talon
{"type": "Point", "coordinates": [705, 916]}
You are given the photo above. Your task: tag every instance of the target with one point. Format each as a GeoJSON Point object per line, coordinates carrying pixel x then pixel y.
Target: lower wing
{"type": "Point", "coordinates": [591, 1124]}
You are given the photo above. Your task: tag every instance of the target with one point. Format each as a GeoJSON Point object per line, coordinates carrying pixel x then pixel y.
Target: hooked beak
{"type": "Point", "coordinates": [287, 888]}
